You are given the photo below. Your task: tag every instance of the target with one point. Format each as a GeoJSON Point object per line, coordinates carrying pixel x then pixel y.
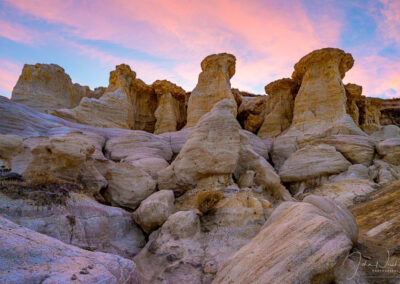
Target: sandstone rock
{"type": "Point", "coordinates": [128, 185]}
{"type": "Point", "coordinates": [390, 113]}
{"type": "Point", "coordinates": [346, 192]}
{"type": "Point", "coordinates": [177, 139]}
{"type": "Point", "coordinates": [353, 94]}
{"type": "Point", "coordinates": [387, 173]}
{"type": "Point", "coordinates": [320, 105]}
{"type": "Point", "coordinates": [390, 150]}
{"type": "Point", "coordinates": [137, 145]}
{"type": "Point", "coordinates": [112, 110]}
{"type": "Point", "coordinates": [311, 162]}
{"type": "Point", "coordinates": [213, 86]}
{"type": "Point", "coordinates": [10, 146]}
{"type": "Point", "coordinates": [190, 249]}
{"type": "Point", "coordinates": [387, 131]}
{"type": "Point", "coordinates": [47, 86]}
{"type": "Point", "coordinates": [30, 257]}
{"type": "Point", "coordinates": [265, 175]}
{"type": "Point", "coordinates": [369, 114]}
{"type": "Point", "coordinates": [209, 156]}
{"type": "Point", "coordinates": [300, 243]}
{"type": "Point", "coordinates": [246, 179]}
{"type": "Point", "coordinates": [251, 112]}
{"type": "Point", "coordinates": [171, 109]}
{"type": "Point", "coordinates": [357, 149]}
{"type": "Point", "coordinates": [60, 156]}
{"type": "Point", "coordinates": [81, 221]}
{"type": "Point", "coordinates": [155, 210]}
{"type": "Point", "coordinates": [279, 110]}
{"type": "Point", "coordinates": [378, 222]}
{"type": "Point", "coordinates": [356, 171]}
{"type": "Point", "coordinates": [127, 103]}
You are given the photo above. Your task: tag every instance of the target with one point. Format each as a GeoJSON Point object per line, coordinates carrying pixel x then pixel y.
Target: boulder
{"type": "Point", "coordinates": [171, 109]}
{"type": "Point", "coordinates": [386, 132]}
{"type": "Point", "coordinates": [346, 192]}
{"type": "Point", "coordinates": [30, 257]}
{"type": "Point", "coordinates": [213, 86]}
{"type": "Point", "coordinates": [190, 248]}
{"type": "Point", "coordinates": [62, 156]}
{"type": "Point", "coordinates": [390, 150]}
{"type": "Point", "coordinates": [47, 86]}
{"type": "Point", "coordinates": [279, 109]}
{"type": "Point", "coordinates": [128, 185]}
{"type": "Point", "coordinates": [369, 113]}
{"type": "Point", "coordinates": [302, 242]}
{"type": "Point", "coordinates": [356, 171]}
{"type": "Point", "coordinates": [386, 173]}
{"type": "Point", "coordinates": [155, 210]}
{"type": "Point", "coordinates": [311, 162]}
{"type": "Point", "coordinates": [210, 154]}
{"type": "Point", "coordinates": [62, 212]}
{"type": "Point", "coordinates": [10, 146]}
{"type": "Point", "coordinates": [356, 149]}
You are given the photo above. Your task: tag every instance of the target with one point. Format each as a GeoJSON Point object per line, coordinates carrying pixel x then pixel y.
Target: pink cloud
{"type": "Point", "coordinates": [267, 37]}
{"type": "Point", "coordinates": [15, 32]}
{"type": "Point", "coordinates": [390, 26]}
{"type": "Point", "coordinates": [9, 73]}
{"type": "Point", "coordinates": [378, 76]}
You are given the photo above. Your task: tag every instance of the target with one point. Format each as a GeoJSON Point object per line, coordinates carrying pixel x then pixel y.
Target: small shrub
{"type": "Point", "coordinates": [207, 199]}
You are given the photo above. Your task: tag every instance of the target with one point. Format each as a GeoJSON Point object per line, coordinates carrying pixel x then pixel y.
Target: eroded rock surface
{"type": "Point", "coordinates": [30, 257]}
{"type": "Point", "coordinates": [47, 86]}
{"type": "Point", "coordinates": [300, 243]}
{"type": "Point", "coordinates": [213, 86]}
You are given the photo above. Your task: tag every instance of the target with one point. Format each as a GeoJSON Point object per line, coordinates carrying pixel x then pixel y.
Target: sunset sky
{"type": "Point", "coordinates": [168, 39]}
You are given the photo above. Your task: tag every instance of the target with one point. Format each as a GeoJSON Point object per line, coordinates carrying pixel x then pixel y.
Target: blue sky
{"type": "Point", "coordinates": [168, 39]}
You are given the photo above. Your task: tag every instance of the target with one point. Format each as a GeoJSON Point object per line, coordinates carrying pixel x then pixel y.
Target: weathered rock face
{"type": "Point", "coordinates": [171, 109]}
{"type": "Point", "coordinates": [10, 146]}
{"type": "Point", "coordinates": [209, 156]}
{"type": "Point", "coordinates": [321, 99]}
{"type": "Point", "coordinates": [128, 185]}
{"type": "Point", "coordinates": [213, 86]}
{"type": "Point", "coordinates": [60, 156]}
{"type": "Point", "coordinates": [190, 248]}
{"type": "Point", "coordinates": [300, 243]}
{"type": "Point", "coordinates": [357, 149]}
{"type": "Point", "coordinates": [353, 94]}
{"type": "Point", "coordinates": [30, 257]}
{"type": "Point", "coordinates": [129, 103]}
{"type": "Point", "coordinates": [378, 222]}
{"type": "Point", "coordinates": [155, 210]}
{"type": "Point", "coordinates": [369, 114]}
{"type": "Point", "coordinates": [390, 112]}
{"type": "Point", "coordinates": [251, 112]}
{"type": "Point", "coordinates": [279, 110]}
{"type": "Point", "coordinates": [390, 150]}
{"type": "Point", "coordinates": [311, 162]}
{"type": "Point", "coordinates": [47, 86]}
{"type": "Point", "coordinates": [78, 220]}
{"type": "Point", "coordinates": [320, 105]}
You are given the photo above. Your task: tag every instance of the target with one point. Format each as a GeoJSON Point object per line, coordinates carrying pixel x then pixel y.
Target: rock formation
{"type": "Point", "coordinates": [279, 110]}
{"type": "Point", "coordinates": [47, 86]}
{"type": "Point", "coordinates": [52, 261]}
{"type": "Point", "coordinates": [171, 109]}
{"type": "Point", "coordinates": [213, 186]}
{"type": "Point", "coordinates": [213, 86]}
{"type": "Point", "coordinates": [300, 243]}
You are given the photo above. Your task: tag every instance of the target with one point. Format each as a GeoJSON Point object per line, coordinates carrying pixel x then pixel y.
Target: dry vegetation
{"type": "Point", "coordinates": [207, 199]}
{"type": "Point", "coordinates": [42, 188]}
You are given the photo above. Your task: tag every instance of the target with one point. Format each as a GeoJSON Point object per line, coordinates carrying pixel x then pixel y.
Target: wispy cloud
{"type": "Point", "coordinates": [16, 32]}
{"type": "Point", "coordinates": [9, 73]}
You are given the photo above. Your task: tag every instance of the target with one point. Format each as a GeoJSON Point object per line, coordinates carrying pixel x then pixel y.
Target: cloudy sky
{"type": "Point", "coordinates": [168, 39]}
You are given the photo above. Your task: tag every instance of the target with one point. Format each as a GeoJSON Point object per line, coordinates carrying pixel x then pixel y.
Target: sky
{"type": "Point", "coordinates": [167, 39]}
